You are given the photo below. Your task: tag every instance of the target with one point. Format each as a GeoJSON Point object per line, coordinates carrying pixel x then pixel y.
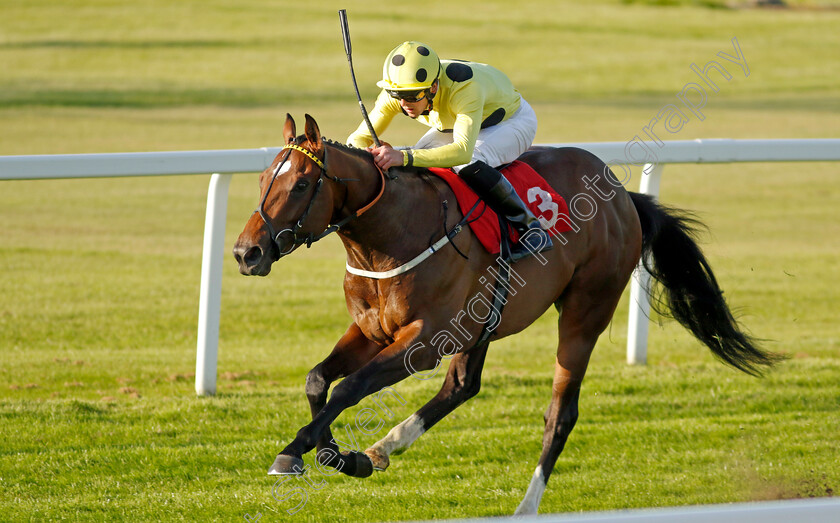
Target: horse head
{"type": "Point", "coordinates": [297, 201]}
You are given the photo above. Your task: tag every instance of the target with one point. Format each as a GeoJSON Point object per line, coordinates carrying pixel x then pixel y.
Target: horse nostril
{"type": "Point", "coordinates": [237, 254]}
{"type": "Point", "coordinates": [253, 256]}
{"type": "Point", "coordinates": [247, 256]}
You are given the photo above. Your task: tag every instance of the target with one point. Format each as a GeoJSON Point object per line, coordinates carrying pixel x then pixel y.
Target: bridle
{"type": "Point", "coordinates": [309, 238]}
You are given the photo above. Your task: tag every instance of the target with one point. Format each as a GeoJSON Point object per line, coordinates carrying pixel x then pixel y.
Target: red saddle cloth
{"type": "Point", "coordinates": [541, 198]}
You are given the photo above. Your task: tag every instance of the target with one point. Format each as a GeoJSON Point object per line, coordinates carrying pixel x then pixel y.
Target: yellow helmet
{"type": "Point", "coordinates": [411, 66]}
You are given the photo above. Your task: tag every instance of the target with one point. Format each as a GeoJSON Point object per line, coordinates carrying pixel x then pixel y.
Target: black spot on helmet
{"type": "Point", "coordinates": [410, 66]}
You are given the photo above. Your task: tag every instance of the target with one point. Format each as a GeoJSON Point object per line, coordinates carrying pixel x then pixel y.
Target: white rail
{"type": "Point", "coordinates": [224, 163]}
{"type": "Point", "coordinates": [821, 510]}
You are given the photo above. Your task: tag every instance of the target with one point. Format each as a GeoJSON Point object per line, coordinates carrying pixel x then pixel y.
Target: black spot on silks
{"type": "Point", "coordinates": [421, 75]}
{"type": "Point", "coordinates": [459, 72]}
{"type": "Point", "coordinates": [398, 60]}
{"type": "Point", "coordinates": [497, 116]}
{"type": "Point", "coordinates": [423, 50]}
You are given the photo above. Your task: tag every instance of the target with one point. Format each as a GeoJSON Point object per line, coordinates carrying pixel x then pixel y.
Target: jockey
{"type": "Point", "coordinates": [478, 122]}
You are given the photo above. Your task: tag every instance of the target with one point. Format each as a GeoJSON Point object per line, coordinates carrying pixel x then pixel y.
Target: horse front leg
{"type": "Point", "coordinates": [463, 381]}
{"type": "Point", "coordinates": [386, 368]}
{"type": "Point", "coordinates": [351, 353]}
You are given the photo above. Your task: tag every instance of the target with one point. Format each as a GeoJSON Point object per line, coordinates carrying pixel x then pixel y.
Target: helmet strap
{"type": "Point", "coordinates": [431, 95]}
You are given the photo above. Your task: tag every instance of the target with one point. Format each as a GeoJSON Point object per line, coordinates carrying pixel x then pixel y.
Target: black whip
{"type": "Point", "coordinates": [345, 33]}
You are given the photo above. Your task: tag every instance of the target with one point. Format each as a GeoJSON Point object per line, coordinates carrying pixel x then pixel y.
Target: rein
{"type": "Point", "coordinates": [310, 238]}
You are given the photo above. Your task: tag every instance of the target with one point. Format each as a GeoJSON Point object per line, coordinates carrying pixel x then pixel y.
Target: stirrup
{"type": "Point", "coordinates": [534, 240]}
{"type": "Point", "coordinates": [500, 196]}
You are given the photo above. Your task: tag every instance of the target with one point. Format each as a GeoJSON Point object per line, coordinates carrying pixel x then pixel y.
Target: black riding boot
{"type": "Point", "coordinates": [500, 195]}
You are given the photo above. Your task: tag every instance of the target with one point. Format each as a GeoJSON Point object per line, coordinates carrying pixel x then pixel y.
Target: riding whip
{"type": "Point", "coordinates": [345, 33]}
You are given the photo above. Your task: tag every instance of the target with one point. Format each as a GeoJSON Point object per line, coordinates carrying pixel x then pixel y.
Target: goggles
{"type": "Point", "coordinates": [408, 96]}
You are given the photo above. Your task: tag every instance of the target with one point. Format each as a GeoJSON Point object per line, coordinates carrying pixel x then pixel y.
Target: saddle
{"type": "Point", "coordinates": [541, 198]}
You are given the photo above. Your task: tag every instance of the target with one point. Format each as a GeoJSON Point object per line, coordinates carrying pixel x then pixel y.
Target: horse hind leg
{"type": "Point", "coordinates": [584, 316]}
{"type": "Point", "coordinates": [560, 420]}
{"type": "Point", "coordinates": [462, 382]}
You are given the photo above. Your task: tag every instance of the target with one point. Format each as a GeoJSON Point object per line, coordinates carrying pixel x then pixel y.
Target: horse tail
{"type": "Point", "coordinates": [689, 289]}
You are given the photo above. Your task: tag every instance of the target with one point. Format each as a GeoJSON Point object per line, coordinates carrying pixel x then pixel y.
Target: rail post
{"type": "Point", "coordinates": [637, 325]}
{"type": "Point", "coordinates": [210, 300]}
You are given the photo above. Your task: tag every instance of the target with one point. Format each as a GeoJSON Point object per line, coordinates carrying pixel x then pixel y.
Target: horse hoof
{"type": "Point", "coordinates": [357, 464]}
{"type": "Point", "coordinates": [286, 465]}
{"type": "Point", "coordinates": [380, 461]}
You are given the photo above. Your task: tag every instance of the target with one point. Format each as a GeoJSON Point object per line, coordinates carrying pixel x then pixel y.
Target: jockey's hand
{"type": "Point", "coordinates": [386, 156]}
{"type": "Point", "coordinates": [370, 148]}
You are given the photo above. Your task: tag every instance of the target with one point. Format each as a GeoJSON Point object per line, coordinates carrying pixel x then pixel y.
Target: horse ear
{"type": "Point", "coordinates": [289, 129]}
{"type": "Point", "coordinates": [313, 134]}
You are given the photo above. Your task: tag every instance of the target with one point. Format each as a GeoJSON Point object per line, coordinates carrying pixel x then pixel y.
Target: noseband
{"type": "Point", "coordinates": [309, 238]}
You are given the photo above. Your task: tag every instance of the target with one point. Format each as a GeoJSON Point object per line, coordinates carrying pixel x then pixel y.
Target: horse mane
{"type": "Point", "coordinates": [355, 151]}
{"type": "Point", "coordinates": [366, 155]}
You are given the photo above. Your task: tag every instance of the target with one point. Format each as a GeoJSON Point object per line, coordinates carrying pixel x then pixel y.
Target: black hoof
{"type": "Point", "coordinates": [356, 464]}
{"type": "Point", "coordinates": [286, 465]}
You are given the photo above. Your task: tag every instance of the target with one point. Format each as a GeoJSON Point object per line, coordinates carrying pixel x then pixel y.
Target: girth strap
{"type": "Point", "coordinates": [420, 258]}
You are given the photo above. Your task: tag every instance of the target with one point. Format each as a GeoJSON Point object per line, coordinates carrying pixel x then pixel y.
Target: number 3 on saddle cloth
{"type": "Point", "coordinates": [548, 206]}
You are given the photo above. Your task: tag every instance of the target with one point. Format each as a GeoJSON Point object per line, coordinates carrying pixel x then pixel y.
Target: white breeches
{"type": "Point", "coordinates": [496, 145]}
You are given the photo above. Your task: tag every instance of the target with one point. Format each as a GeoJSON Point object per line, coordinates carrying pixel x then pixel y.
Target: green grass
{"type": "Point", "coordinates": [99, 278]}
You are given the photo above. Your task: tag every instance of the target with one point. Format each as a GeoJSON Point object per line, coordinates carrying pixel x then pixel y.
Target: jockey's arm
{"type": "Point", "coordinates": [459, 152]}
{"type": "Point", "coordinates": [383, 112]}
{"type": "Point", "coordinates": [467, 104]}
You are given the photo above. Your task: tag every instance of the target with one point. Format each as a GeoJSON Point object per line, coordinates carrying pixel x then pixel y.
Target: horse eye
{"type": "Point", "coordinates": [301, 186]}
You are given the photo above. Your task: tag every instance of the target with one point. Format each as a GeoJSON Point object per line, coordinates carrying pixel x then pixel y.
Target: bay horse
{"type": "Point", "coordinates": [404, 321]}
